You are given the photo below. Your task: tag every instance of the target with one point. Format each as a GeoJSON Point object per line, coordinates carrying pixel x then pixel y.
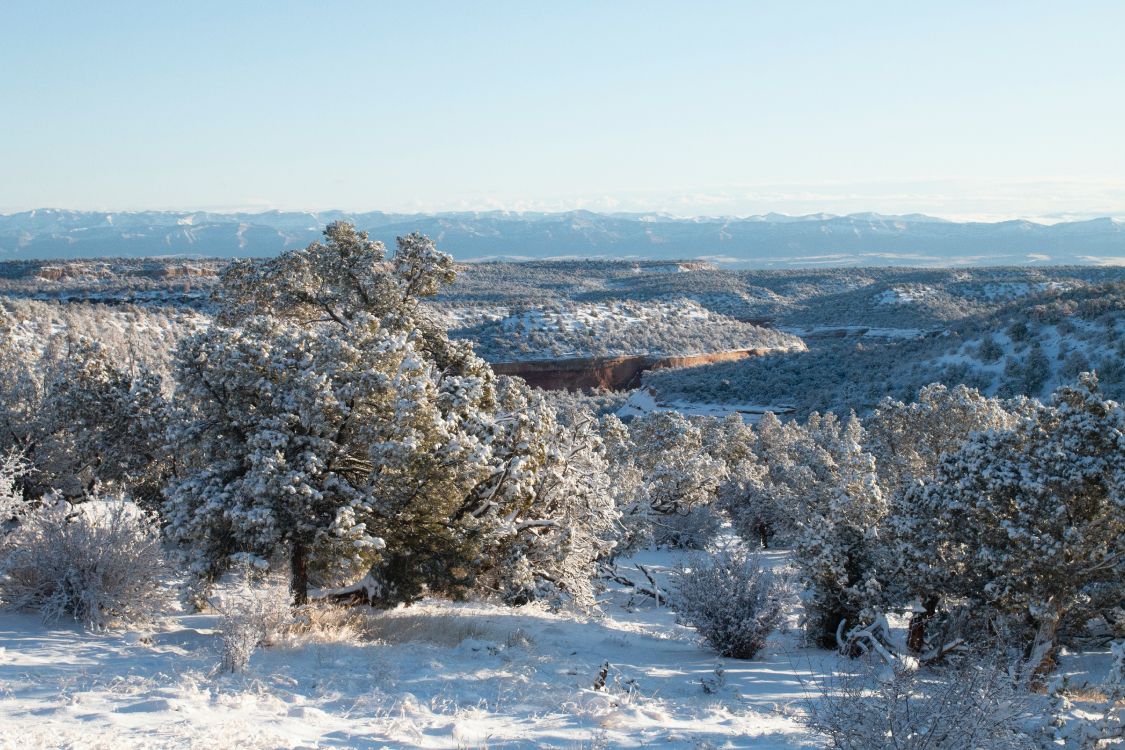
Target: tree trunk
{"type": "Point", "coordinates": [916, 639]}
{"type": "Point", "coordinates": [1044, 649]}
{"type": "Point", "coordinates": [299, 574]}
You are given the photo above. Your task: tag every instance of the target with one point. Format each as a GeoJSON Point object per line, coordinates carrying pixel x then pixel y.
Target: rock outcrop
{"type": "Point", "coordinates": [612, 373]}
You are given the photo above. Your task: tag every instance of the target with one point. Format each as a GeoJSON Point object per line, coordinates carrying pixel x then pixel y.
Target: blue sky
{"type": "Point", "coordinates": [983, 109]}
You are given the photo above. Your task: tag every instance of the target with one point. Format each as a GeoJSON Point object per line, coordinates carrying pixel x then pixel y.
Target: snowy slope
{"type": "Point", "coordinates": [442, 675]}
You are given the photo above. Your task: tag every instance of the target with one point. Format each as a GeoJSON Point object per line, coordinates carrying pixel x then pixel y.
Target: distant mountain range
{"type": "Point", "coordinates": [757, 241]}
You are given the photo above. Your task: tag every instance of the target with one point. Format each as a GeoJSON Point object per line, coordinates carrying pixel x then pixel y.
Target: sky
{"type": "Point", "coordinates": [982, 109]}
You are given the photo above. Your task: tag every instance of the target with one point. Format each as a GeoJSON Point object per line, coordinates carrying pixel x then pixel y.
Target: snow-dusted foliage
{"type": "Point", "coordinates": [21, 390]}
{"type": "Point", "coordinates": [759, 493]}
{"type": "Point", "coordinates": [816, 482]}
{"type": "Point", "coordinates": [328, 421]}
{"type": "Point", "coordinates": [13, 467]}
{"type": "Point", "coordinates": [909, 440]}
{"type": "Point", "coordinates": [321, 405]}
{"type": "Point", "coordinates": [252, 610]}
{"type": "Point", "coordinates": [79, 415]}
{"type": "Point", "coordinates": [564, 518]}
{"type": "Point", "coordinates": [99, 562]}
{"type": "Point", "coordinates": [1024, 522]}
{"type": "Point", "coordinates": [103, 424]}
{"type": "Point", "coordinates": [970, 705]}
{"type": "Point", "coordinates": [838, 540]}
{"type": "Point", "coordinates": [732, 602]}
{"type": "Point", "coordinates": [1116, 679]}
{"type": "Point", "coordinates": [678, 481]}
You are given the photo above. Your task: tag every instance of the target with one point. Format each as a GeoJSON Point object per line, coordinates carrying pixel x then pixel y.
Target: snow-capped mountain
{"type": "Point", "coordinates": [760, 241]}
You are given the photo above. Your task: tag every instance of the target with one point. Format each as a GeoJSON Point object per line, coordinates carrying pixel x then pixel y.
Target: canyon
{"type": "Point", "coordinates": [610, 373]}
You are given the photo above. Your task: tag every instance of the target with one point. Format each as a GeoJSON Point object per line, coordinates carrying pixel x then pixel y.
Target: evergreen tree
{"type": "Point", "coordinates": [1020, 522]}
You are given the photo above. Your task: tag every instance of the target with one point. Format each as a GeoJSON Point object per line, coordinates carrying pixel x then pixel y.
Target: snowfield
{"type": "Point", "coordinates": [437, 674]}
{"type": "Point", "coordinates": [434, 675]}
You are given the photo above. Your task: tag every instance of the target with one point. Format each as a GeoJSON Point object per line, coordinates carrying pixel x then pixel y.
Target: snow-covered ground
{"type": "Point", "coordinates": [645, 401]}
{"type": "Point", "coordinates": [874, 332]}
{"type": "Point", "coordinates": [434, 675]}
{"type": "Point", "coordinates": [617, 328]}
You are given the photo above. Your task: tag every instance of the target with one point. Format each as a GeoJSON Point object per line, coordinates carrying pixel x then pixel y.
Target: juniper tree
{"type": "Point", "coordinates": [104, 425]}
{"type": "Point", "coordinates": [818, 482]}
{"type": "Point", "coordinates": [908, 442]}
{"type": "Point", "coordinates": [325, 419]}
{"type": "Point", "coordinates": [561, 516]}
{"type": "Point", "coordinates": [328, 420]}
{"type": "Point", "coordinates": [680, 479]}
{"type": "Point", "coordinates": [1020, 522]}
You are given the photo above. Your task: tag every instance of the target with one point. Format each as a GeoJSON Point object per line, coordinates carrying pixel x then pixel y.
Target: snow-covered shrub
{"type": "Point", "coordinates": [12, 504]}
{"type": "Point", "coordinates": [732, 602]}
{"type": "Point", "coordinates": [971, 705]}
{"type": "Point", "coordinates": [692, 528]}
{"type": "Point", "coordinates": [99, 562]}
{"type": "Point", "coordinates": [252, 612]}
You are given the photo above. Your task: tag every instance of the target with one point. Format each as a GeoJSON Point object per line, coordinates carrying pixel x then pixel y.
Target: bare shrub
{"type": "Point", "coordinates": [732, 602]}
{"type": "Point", "coordinates": [974, 704]}
{"type": "Point", "coordinates": [99, 562]}
{"type": "Point", "coordinates": [253, 611]}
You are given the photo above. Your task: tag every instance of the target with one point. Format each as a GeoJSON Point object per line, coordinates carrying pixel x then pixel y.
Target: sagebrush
{"type": "Point", "coordinates": [732, 602]}
{"type": "Point", "coordinates": [99, 562]}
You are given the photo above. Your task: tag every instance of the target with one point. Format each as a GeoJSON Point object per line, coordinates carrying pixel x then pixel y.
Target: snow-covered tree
{"type": "Point", "coordinates": [838, 532]}
{"type": "Point", "coordinates": [1021, 521]}
{"type": "Point", "coordinates": [271, 440]}
{"type": "Point", "coordinates": [758, 492]}
{"type": "Point", "coordinates": [331, 419]}
{"type": "Point", "coordinates": [331, 423]}
{"type": "Point", "coordinates": [680, 481]}
{"type": "Point", "coordinates": [21, 391]}
{"type": "Point", "coordinates": [908, 440]}
{"type": "Point", "coordinates": [13, 504]}
{"type": "Point", "coordinates": [729, 440]}
{"type": "Point", "coordinates": [565, 519]}
{"type": "Point", "coordinates": [817, 482]}
{"type": "Point", "coordinates": [103, 424]}
{"type": "Point", "coordinates": [80, 417]}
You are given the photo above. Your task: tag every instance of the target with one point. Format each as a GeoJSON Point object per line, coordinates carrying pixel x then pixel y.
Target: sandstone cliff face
{"type": "Point", "coordinates": [612, 373]}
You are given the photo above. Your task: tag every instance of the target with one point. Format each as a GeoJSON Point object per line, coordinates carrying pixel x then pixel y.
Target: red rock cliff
{"type": "Point", "coordinates": [613, 373]}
